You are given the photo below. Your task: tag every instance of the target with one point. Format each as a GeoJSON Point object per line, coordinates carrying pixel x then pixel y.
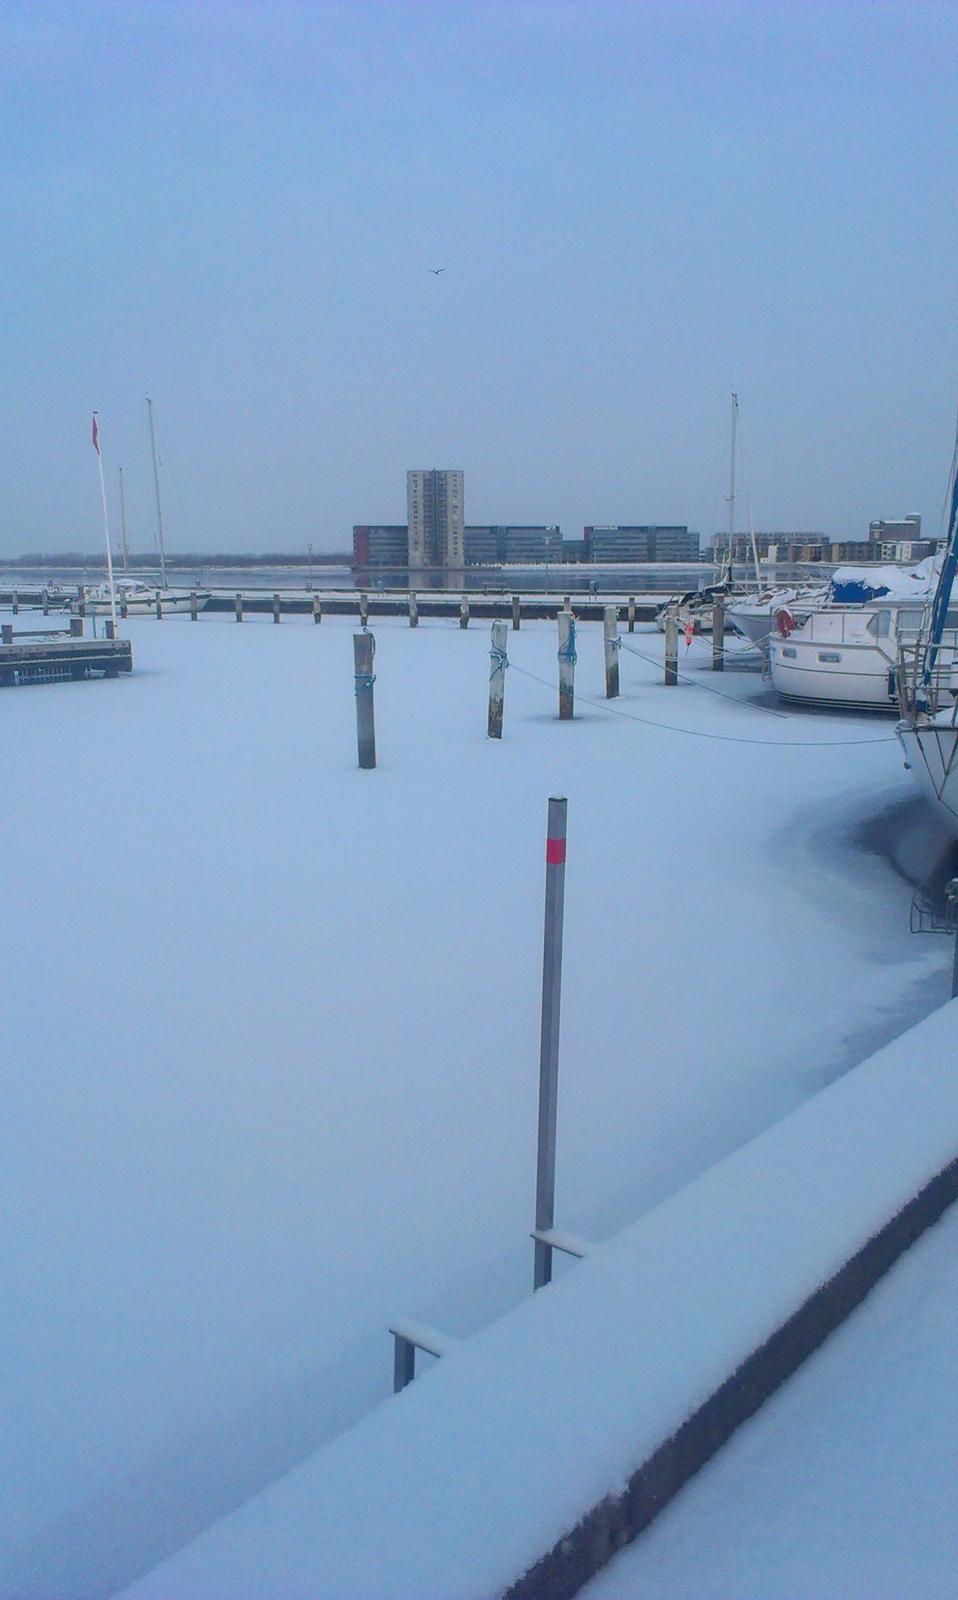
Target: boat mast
{"type": "Point", "coordinates": [731, 482]}
{"type": "Point", "coordinates": [946, 578]}
{"type": "Point", "coordinates": [159, 508]}
{"type": "Point", "coordinates": [126, 548]}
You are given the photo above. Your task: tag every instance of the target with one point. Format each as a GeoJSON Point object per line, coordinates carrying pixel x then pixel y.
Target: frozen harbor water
{"type": "Point", "coordinates": [271, 1026]}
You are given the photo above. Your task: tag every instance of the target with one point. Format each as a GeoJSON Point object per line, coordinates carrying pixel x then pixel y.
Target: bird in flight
{"type": "Point", "coordinates": [436, 270]}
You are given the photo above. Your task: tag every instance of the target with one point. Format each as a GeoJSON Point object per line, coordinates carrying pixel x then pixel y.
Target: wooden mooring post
{"type": "Point", "coordinates": [718, 636]}
{"type": "Point", "coordinates": [610, 632]}
{"type": "Point", "coordinates": [516, 612]}
{"type": "Point", "coordinates": [317, 608]}
{"type": "Point", "coordinates": [277, 613]}
{"type": "Point", "coordinates": [46, 603]}
{"type": "Point", "coordinates": [364, 650]}
{"type": "Point", "coordinates": [6, 632]}
{"type": "Point", "coordinates": [567, 660]}
{"type": "Point", "coordinates": [194, 607]}
{"type": "Point", "coordinates": [364, 609]}
{"type": "Point", "coordinates": [124, 605]}
{"type": "Point", "coordinates": [631, 613]}
{"type": "Point", "coordinates": [109, 629]}
{"type": "Point", "coordinates": [239, 608]}
{"type": "Point", "coordinates": [464, 611]}
{"type": "Point", "coordinates": [76, 627]}
{"type": "Point", "coordinates": [413, 609]}
{"type": "Point", "coordinates": [159, 606]}
{"type": "Point", "coordinates": [671, 651]}
{"type": "Point", "coordinates": [497, 678]}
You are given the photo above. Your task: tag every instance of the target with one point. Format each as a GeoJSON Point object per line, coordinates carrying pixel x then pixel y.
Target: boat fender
{"type": "Point", "coordinates": [786, 622]}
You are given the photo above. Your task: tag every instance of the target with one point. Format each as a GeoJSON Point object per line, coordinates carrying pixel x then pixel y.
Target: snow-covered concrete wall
{"type": "Point", "coordinates": [520, 1462]}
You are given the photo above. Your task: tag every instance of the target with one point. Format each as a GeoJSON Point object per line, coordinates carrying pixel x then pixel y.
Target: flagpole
{"type": "Point", "coordinates": [106, 524]}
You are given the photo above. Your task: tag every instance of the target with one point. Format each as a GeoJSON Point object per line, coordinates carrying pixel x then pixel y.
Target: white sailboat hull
{"type": "Point", "coordinates": [931, 755]}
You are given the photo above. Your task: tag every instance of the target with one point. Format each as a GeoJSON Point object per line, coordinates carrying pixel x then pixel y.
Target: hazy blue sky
{"type": "Point", "coordinates": [235, 207]}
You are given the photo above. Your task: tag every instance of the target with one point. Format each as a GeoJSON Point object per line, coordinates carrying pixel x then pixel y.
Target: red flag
{"type": "Point", "coordinates": [96, 435]}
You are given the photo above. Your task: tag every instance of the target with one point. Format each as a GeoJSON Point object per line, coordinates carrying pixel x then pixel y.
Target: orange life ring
{"type": "Point", "coordinates": [786, 622]}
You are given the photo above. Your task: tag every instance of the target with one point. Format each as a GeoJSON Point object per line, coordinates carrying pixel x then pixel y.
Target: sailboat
{"type": "Point", "coordinates": [927, 679]}
{"type": "Point", "coordinates": [695, 608]}
{"type": "Point", "coordinates": [136, 597]}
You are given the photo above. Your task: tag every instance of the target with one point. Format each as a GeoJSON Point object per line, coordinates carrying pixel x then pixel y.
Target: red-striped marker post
{"type": "Point", "coordinates": [549, 1037]}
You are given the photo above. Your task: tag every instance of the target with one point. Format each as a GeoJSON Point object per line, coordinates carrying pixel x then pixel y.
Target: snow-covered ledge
{"type": "Point", "coordinates": [531, 1451]}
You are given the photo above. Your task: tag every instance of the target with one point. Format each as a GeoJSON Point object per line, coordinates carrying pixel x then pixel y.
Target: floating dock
{"type": "Point", "coordinates": [59, 660]}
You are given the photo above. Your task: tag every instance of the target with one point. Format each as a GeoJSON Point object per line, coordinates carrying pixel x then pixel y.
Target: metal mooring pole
{"type": "Point", "coordinates": [549, 1037]}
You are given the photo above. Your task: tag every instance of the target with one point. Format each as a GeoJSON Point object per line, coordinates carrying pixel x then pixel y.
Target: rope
{"type": "Point", "coordinates": [567, 651]}
{"type": "Point", "coordinates": [499, 659]}
{"type": "Point", "coordinates": [710, 687]}
{"type": "Point", "coordinates": [696, 733]}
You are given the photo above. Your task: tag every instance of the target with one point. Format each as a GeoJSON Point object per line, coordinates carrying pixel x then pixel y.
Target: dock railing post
{"type": "Point", "coordinates": [671, 651]}
{"type": "Point", "coordinates": [610, 632]}
{"type": "Point", "coordinates": [497, 678]}
{"type": "Point", "coordinates": [239, 608]}
{"type": "Point", "coordinates": [413, 609]}
{"type": "Point", "coordinates": [516, 612]}
{"type": "Point", "coordinates": [549, 1037]}
{"type": "Point", "coordinates": [464, 611]}
{"type": "Point", "coordinates": [631, 613]}
{"type": "Point", "coordinates": [317, 608]}
{"type": "Point", "coordinates": [718, 636]}
{"type": "Point", "coordinates": [364, 649]}
{"type": "Point", "coordinates": [277, 614]}
{"type": "Point", "coordinates": [567, 660]}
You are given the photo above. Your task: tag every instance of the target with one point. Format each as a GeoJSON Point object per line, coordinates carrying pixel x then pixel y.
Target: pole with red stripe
{"type": "Point", "coordinates": [549, 1037]}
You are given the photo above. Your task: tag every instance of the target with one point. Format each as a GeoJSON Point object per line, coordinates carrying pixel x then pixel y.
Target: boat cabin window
{"type": "Point", "coordinates": [880, 624]}
{"type": "Point", "coordinates": [829, 655]}
{"type": "Point", "coordinates": [909, 621]}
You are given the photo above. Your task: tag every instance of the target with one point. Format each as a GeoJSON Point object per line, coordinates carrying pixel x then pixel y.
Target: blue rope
{"type": "Point", "coordinates": [567, 651]}
{"type": "Point", "coordinates": [499, 660]}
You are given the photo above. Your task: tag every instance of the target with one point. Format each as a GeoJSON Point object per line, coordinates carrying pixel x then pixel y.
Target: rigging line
{"type": "Point", "coordinates": [710, 687]}
{"type": "Point", "coordinates": [696, 733]}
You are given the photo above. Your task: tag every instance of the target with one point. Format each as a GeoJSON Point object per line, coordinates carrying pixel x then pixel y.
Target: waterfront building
{"type": "Point", "coordinates": [647, 542]}
{"type": "Point", "coordinates": [380, 545]}
{"type": "Point", "coordinates": [434, 504]}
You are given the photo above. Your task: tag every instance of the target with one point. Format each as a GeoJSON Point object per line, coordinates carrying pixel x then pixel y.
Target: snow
{"type": "Point", "coordinates": [271, 1026]}
{"type": "Point", "coordinates": [456, 1487]}
{"type": "Point", "coordinates": [843, 1486]}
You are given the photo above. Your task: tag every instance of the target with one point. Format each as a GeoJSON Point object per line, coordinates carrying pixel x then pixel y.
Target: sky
{"type": "Point", "coordinates": [234, 208]}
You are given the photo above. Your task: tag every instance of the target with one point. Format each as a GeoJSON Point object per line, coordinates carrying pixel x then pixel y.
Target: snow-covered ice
{"type": "Point", "coordinates": [270, 1026]}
